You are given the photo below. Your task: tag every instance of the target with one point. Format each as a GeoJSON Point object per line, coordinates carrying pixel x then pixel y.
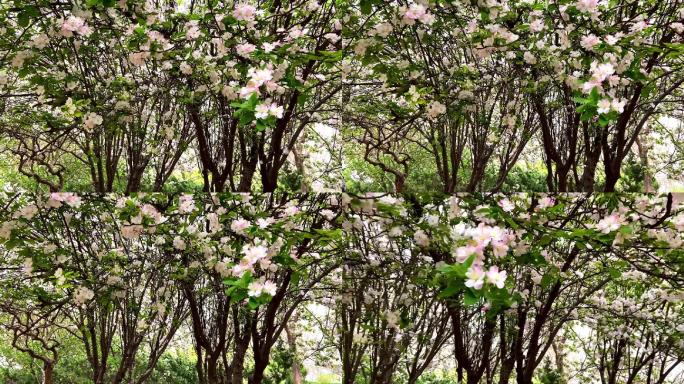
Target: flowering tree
{"type": "Point", "coordinates": [632, 335]}
{"type": "Point", "coordinates": [110, 293]}
{"type": "Point", "coordinates": [577, 245]}
{"type": "Point", "coordinates": [389, 325]}
{"type": "Point", "coordinates": [103, 82]}
{"type": "Point", "coordinates": [587, 76]}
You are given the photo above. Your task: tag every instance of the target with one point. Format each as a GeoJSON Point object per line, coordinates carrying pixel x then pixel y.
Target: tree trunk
{"type": "Point", "coordinates": [505, 374]}
{"type": "Point", "coordinates": [260, 364]}
{"type": "Point", "coordinates": [588, 175]}
{"type": "Point", "coordinates": [212, 369]}
{"type": "Point", "coordinates": [399, 182]}
{"type": "Point", "coordinates": [642, 148]}
{"type": "Point", "coordinates": [559, 354]}
{"type": "Point", "coordinates": [296, 369]}
{"type": "Point", "coordinates": [48, 370]}
{"type": "Point", "coordinates": [238, 364]}
{"type": "Point", "coordinates": [269, 181]}
{"type": "Point", "coordinates": [299, 159]}
{"type": "Point", "coordinates": [612, 177]}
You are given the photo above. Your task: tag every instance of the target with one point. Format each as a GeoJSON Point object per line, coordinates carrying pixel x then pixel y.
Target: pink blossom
{"type": "Point", "coordinates": [529, 58]}
{"type": "Point", "coordinates": [244, 12]}
{"type": "Point", "coordinates": [603, 106]}
{"type": "Point", "coordinates": [537, 25]}
{"type": "Point", "coordinates": [75, 24]}
{"type": "Point", "coordinates": [260, 76]}
{"type": "Point", "coordinates": [610, 223]}
{"type": "Point", "coordinates": [254, 253]}
{"type": "Point", "coordinates": [588, 42]}
{"type": "Point", "coordinates": [618, 105]}
{"type": "Point", "coordinates": [506, 205]}
{"type": "Point", "coordinates": [587, 5]}
{"type": "Point", "coordinates": [414, 12]}
{"type": "Point", "coordinates": [255, 289]}
{"type": "Point", "coordinates": [261, 111]}
{"type": "Point", "coordinates": [245, 49]}
{"type": "Point", "coordinates": [186, 204]}
{"type": "Point", "coordinates": [546, 202]}
{"type": "Point", "coordinates": [247, 91]}
{"type": "Point", "coordinates": [463, 253]}
{"type": "Point", "coordinates": [270, 288]}
{"type": "Point", "coordinates": [276, 110]}
{"type": "Point", "coordinates": [239, 225]}
{"type": "Point", "coordinates": [475, 276]}
{"type": "Point", "coordinates": [435, 109]}
{"type": "Point", "coordinates": [192, 30]}
{"type": "Point", "coordinates": [496, 277]}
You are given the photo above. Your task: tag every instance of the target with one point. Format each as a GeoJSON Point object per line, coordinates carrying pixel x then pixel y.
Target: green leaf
{"type": "Point", "coordinates": [614, 272]}
{"type": "Point", "coordinates": [547, 279]}
{"type": "Point", "coordinates": [366, 6]}
{"type": "Point", "coordinates": [450, 291]}
{"type": "Point", "coordinates": [470, 298]}
{"type": "Point", "coordinates": [26, 14]}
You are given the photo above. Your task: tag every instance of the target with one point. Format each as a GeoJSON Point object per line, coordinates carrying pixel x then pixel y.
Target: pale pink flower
{"type": "Point", "coordinates": [587, 5]}
{"type": "Point", "coordinates": [588, 42]}
{"type": "Point", "coordinates": [270, 288]}
{"type": "Point", "coordinates": [255, 289]}
{"type": "Point", "coordinates": [537, 25]}
{"type": "Point", "coordinates": [610, 223]}
{"type": "Point", "coordinates": [260, 76]}
{"type": "Point", "coordinates": [546, 202]}
{"type": "Point", "coordinates": [276, 110]}
{"type": "Point", "coordinates": [506, 205]}
{"type": "Point", "coordinates": [435, 109]}
{"type": "Point", "coordinates": [618, 105]}
{"type": "Point", "coordinates": [247, 91]}
{"type": "Point", "coordinates": [475, 276]}
{"type": "Point", "coordinates": [254, 253]}
{"type": "Point", "coordinates": [192, 30]}
{"type": "Point", "coordinates": [244, 12]}
{"type": "Point", "coordinates": [261, 111]}
{"type": "Point", "coordinates": [75, 24]}
{"type": "Point", "coordinates": [600, 72]}
{"type": "Point", "coordinates": [239, 226]}
{"type": "Point", "coordinates": [186, 204]}
{"type": "Point", "coordinates": [603, 106]}
{"type": "Point", "coordinates": [245, 49]}
{"type": "Point", "coordinates": [529, 58]}
{"type": "Point", "coordinates": [496, 277]}
{"type": "Point", "coordinates": [414, 12]}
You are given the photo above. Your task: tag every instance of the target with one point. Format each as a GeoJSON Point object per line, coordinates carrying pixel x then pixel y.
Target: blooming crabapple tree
{"type": "Point", "coordinates": [78, 93]}
{"type": "Point", "coordinates": [496, 283]}
{"type": "Point", "coordinates": [245, 264]}
{"type": "Point", "coordinates": [589, 76]}
{"type": "Point", "coordinates": [610, 69]}
{"type": "Point", "coordinates": [510, 259]}
{"type": "Point", "coordinates": [388, 325]}
{"type": "Point", "coordinates": [256, 81]}
{"type": "Point", "coordinates": [105, 83]}
{"type": "Point", "coordinates": [422, 86]}
{"type": "Point", "coordinates": [631, 332]}
{"type": "Point", "coordinates": [34, 328]}
{"type": "Point", "coordinates": [130, 91]}
{"type": "Point", "coordinates": [102, 276]}
{"type": "Point", "coordinates": [152, 261]}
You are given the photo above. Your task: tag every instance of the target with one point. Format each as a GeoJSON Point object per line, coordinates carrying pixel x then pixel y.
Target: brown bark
{"type": "Point", "coordinates": [48, 372]}
{"type": "Point", "coordinates": [642, 148]}
{"type": "Point", "coordinates": [292, 343]}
